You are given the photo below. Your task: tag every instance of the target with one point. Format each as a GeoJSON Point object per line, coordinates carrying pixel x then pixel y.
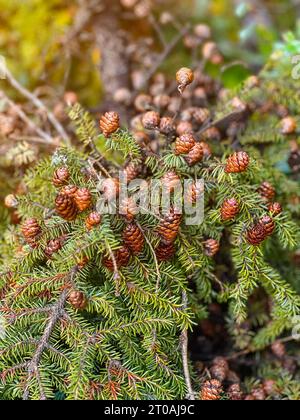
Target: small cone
{"type": "Point", "coordinates": [230, 208]}
{"type": "Point", "coordinates": [69, 190]}
{"type": "Point", "coordinates": [31, 231]}
{"type": "Point", "coordinates": [235, 393]}
{"type": "Point", "coordinates": [167, 126]}
{"type": "Point", "coordinates": [110, 188]}
{"type": "Point", "coordinates": [288, 125]}
{"type": "Point", "coordinates": [269, 225]}
{"type": "Point", "coordinates": [134, 238]}
{"type": "Point", "coordinates": [92, 220]}
{"type": "Point", "coordinates": [66, 207]}
{"type": "Point", "coordinates": [194, 192]}
{"type": "Point", "coordinates": [267, 191]}
{"type": "Point", "coordinates": [164, 252]}
{"type": "Point", "coordinates": [132, 171]}
{"type": "Point", "coordinates": [109, 123]}
{"type": "Point", "coordinates": [61, 176]}
{"type": "Point", "coordinates": [77, 299]}
{"type": "Point", "coordinates": [184, 144]}
{"type": "Point", "coordinates": [278, 349]}
{"type": "Point", "coordinates": [211, 390]}
{"type": "Point", "coordinates": [53, 246]}
{"type": "Point", "coordinates": [212, 134]}
{"type": "Point", "coordinates": [151, 120]}
{"type": "Point", "coordinates": [237, 162]}
{"type": "Point", "coordinates": [170, 181]}
{"type": "Point", "coordinates": [195, 155]}
{"type": "Point", "coordinates": [256, 235]}
{"type": "Point", "coordinates": [122, 257]}
{"type": "Point", "coordinates": [128, 209]}
{"type": "Point", "coordinates": [211, 247]}
{"type": "Point", "coordinates": [206, 149]}
{"type": "Point", "coordinates": [219, 369]}
{"type": "Point", "coordinates": [184, 77]}
{"type": "Point", "coordinates": [169, 226]}
{"type": "Point", "coordinates": [275, 209]}
{"type": "Point", "coordinates": [83, 198]}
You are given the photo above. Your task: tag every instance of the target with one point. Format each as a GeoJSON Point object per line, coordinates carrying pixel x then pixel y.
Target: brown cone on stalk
{"type": "Point", "coordinates": [53, 246]}
{"type": "Point", "coordinates": [219, 369]}
{"type": "Point", "coordinates": [128, 209]}
{"type": "Point", "coordinates": [211, 247]}
{"type": "Point", "coordinates": [83, 198]}
{"type": "Point", "coordinates": [132, 171]}
{"type": "Point", "coordinates": [184, 77]}
{"type": "Point", "coordinates": [122, 257]}
{"type": "Point", "coordinates": [61, 176]}
{"type": "Point", "coordinates": [237, 162]}
{"type": "Point", "coordinates": [92, 220]}
{"type": "Point", "coordinates": [167, 126]}
{"type": "Point", "coordinates": [133, 238]}
{"type": "Point", "coordinates": [31, 231]}
{"type": "Point", "coordinates": [184, 144]}
{"type": "Point", "coordinates": [211, 390]}
{"type": "Point", "coordinates": [151, 120]}
{"type": "Point", "coordinates": [169, 226]}
{"type": "Point", "coordinates": [164, 252]}
{"type": "Point", "coordinates": [230, 208]}
{"type": "Point", "coordinates": [256, 234]}
{"type": "Point", "coordinates": [170, 181]}
{"type": "Point", "coordinates": [109, 123]}
{"type": "Point", "coordinates": [235, 393]}
{"type": "Point", "coordinates": [65, 207]}
{"type": "Point", "coordinates": [69, 190]}
{"type": "Point", "coordinates": [195, 155]}
{"type": "Point", "coordinates": [268, 224]}
{"type": "Point", "coordinates": [275, 208]}
{"type": "Point", "coordinates": [77, 299]}
{"type": "Point", "coordinates": [267, 191]}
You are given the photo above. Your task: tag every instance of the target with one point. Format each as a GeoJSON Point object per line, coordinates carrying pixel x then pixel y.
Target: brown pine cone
{"type": "Point", "coordinates": [161, 101]}
{"type": "Point", "coordinates": [294, 160]}
{"type": "Point", "coordinates": [259, 394]}
{"type": "Point", "coordinates": [200, 115]}
{"type": "Point", "coordinates": [278, 349]}
{"type": "Point", "coordinates": [11, 201]}
{"type": "Point", "coordinates": [237, 162]}
{"type": "Point", "coordinates": [92, 220]}
{"type": "Point", "coordinates": [109, 123]}
{"type": "Point", "coordinates": [83, 198]}
{"type": "Point", "coordinates": [195, 155]}
{"type": "Point", "coordinates": [77, 299]}
{"type": "Point", "coordinates": [211, 390]}
{"type": "Point", "coordinates": [184, 144]}
{"type": "Point", "coordinates": [256, 234]}
{"type": "Point", "coordinates": [184, 77]}
{"type": "Point", "coordinates": [184, 127]}
{"type": "Point", "coordinates": [275, 209]}
{"type": "Point", "coordinates": [212, 134]}
{"type": "Point", "coordinates": [122, 257]}
{"type": "Point", "coordinates": [288, 125]}
{"type": "Point", "coordinates": [132, 171]}
{"type": "Point", "coordinates": [269, 386]}
{"type": "Point", "coordinates": [267, 191]}
{"type": "Point", "coordinates": [194, 192]}
{"type": "Point", "coordinates": [65, 207]}
{"type": "Point", "coordinates": [61, 176]}
{"type": "Point", "coordinates": [128, 208]}
{"type": "Point", "coordinates": [167, 126]}
{"type": "Point", "coordinates": [165, 252]}
{"type": "Point", "coordinates": [219, 369]}
{"type": "Point", "coordinates": [169, 226]}
{"type": "Point", "coordinates": [230, 208]}
{"type": "Point", "coordinates": [170, 181]}
{"type": "Point", "coordinates": [110, 188]}
{"type": "Point", "coordinates": [235, 393]}
{"type": "Point", "coordinates": [53, 246]}
{"type": "Point", "coordinates": [143, 102]}
{"type": "Point", "coordinates": [211, 247]}
{"type": "Point", "coordinates": [206, 149]}
{"type": "Point", "coordinates": [69, 190]}
{"type": "Point", "coordinates": [269, 225]}
{"type": "Point", "coordinates": [31, 231]}
{"type": "Point", "coordinates": [151, 120]}
{"type": "Point", "coordinates": [133, 238]}
{"type": "Point", "coordinates": [82, 262]}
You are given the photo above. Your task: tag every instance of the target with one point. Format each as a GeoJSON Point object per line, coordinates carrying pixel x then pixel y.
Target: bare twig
{"type": "Point", "coordinates": [40, 105]}
{"type": "Point", "coordinates": [184, 352]}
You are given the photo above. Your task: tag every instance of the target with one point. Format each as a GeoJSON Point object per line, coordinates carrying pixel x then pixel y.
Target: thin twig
{"type": "Point", "coordinates": [40, 105]}
{"type": "Point", "coordinates": [184, 352]}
